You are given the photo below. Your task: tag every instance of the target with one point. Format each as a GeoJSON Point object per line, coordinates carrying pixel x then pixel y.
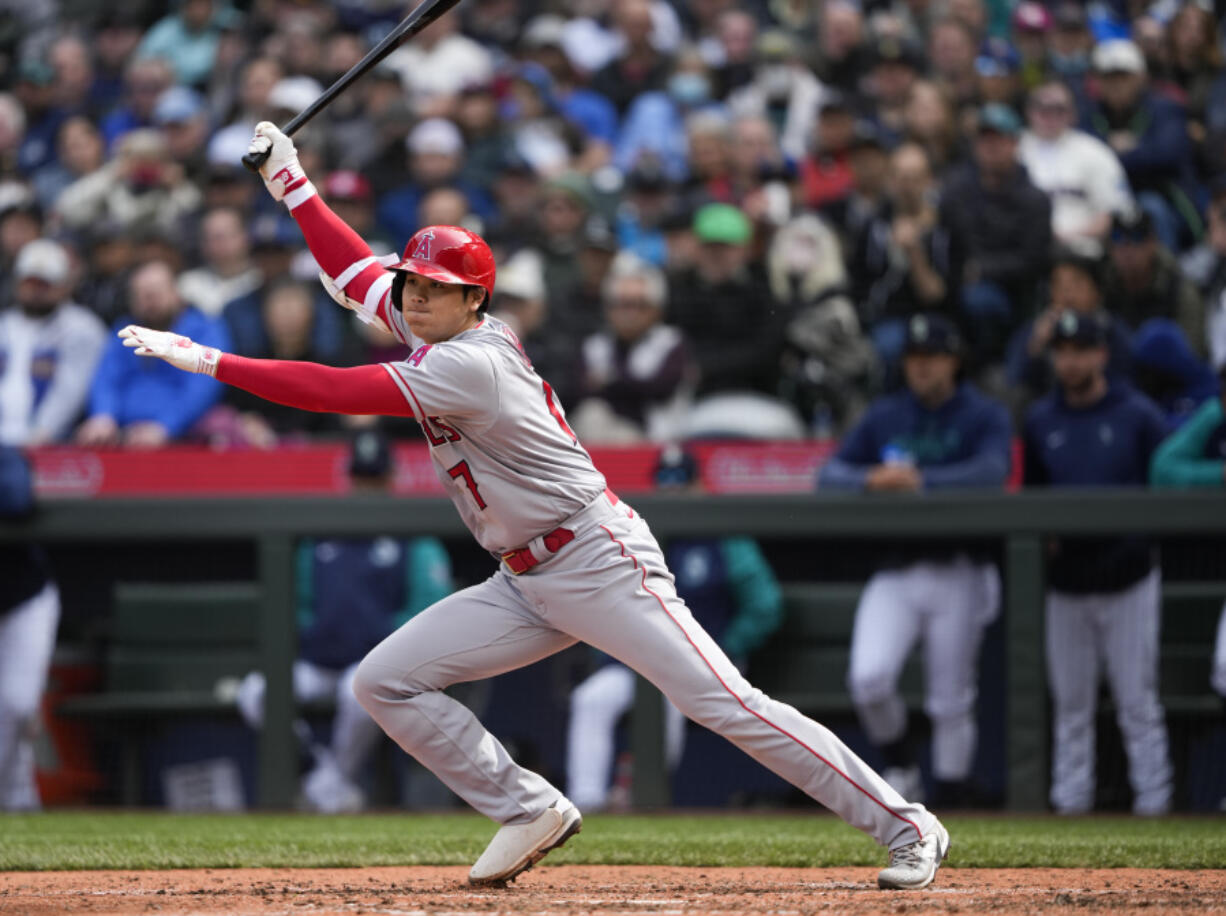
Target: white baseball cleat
{"type": "Point", "coordinates": [915, 865]}
{"type": "Point", "coordinates": [517, 847]}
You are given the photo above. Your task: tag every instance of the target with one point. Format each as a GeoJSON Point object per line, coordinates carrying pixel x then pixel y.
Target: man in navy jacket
{"type": "Point", "coordinates": [936, 433]}
{"type": "Point", "coordinates": [1103, 599]}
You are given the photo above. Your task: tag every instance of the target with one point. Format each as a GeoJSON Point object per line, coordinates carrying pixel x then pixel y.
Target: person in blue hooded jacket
{"type": "Point", "coordinates": [145, 404]}
{"type": "Point", "coordinates": [1165, 368]}
{"type": "Point", "coordinates": [937, 433]}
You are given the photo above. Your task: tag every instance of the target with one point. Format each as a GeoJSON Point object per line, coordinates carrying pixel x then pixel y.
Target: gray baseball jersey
{"type": "Point", "coordinates": [498, 437]}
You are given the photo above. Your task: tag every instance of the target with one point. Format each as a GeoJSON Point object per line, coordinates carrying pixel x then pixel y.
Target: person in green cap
{"type": "Point", "coordinates": [724, 306]}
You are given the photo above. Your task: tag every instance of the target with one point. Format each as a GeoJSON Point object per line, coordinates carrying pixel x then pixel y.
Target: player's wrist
{"type": "Point", "coordinates": [299, 194]}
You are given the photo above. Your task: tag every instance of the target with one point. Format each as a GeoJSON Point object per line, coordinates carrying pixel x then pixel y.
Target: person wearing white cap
{"type": "Point", "coordinates": [1149, 134]}
{"type": "Point", "coordinates": [49, 347]}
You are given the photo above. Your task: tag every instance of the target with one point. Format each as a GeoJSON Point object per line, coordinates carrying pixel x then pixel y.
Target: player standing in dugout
{"type": "Point", "coordinates": [576, 563]}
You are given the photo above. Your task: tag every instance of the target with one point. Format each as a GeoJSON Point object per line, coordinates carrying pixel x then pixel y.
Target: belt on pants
{"type": "Point", "coordinates": [522, 559]}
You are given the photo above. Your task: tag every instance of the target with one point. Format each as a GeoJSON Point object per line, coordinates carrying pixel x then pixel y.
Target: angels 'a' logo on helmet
{"type": "Point", "coordinates": [423, 245]}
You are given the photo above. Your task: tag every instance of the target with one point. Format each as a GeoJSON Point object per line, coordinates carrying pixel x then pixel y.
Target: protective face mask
{"type": "Point", "coordinates": [689, 88]}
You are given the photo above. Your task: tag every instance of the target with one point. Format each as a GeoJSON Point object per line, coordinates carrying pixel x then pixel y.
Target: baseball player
{"type": "Point", "coordinates": [29, 615]}
{"type": "Point", "coordinates": [1103, 599]}
{"type": "Point", "coordinates": [575, 562]}
{"type": "Point", "coordinates": [937, 433]}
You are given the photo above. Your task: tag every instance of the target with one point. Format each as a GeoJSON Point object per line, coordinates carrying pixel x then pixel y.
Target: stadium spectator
{"type": "Point", "coordinates": [520, 299]}
{"type": "Point", "coordinates": [869, 162]}
{"type": "Point", "coordinates": [188, 39]}
{"type": "Point", "coordinates": [435, 159]}
{"type": "Point", "coordinates": [43, 117]}
{"type": "Point", "coordinates": [732, 591]}
{"type": "Point", "coordinates": [1103, 598]}
{"type": "Point", "coordinates": [566, 204]}
{"type": "Point", "coordinates": [79, 151]}
{"type": "Point", "coordinates": [29, 614]}
{"type": "Point", "coordinates": [227, 271]}
{"type": "Point", "coordinates": [351, 594]}
{"type": "Point", "coordinates": [930, 121]}
{"type": "Point", "coordinates": [1143, 280]}
{"type": "Point", "coordinates": [1165, 369]}
{"type": "Point", "coordinates": [1150, 135]}
{"type": "Point", "coordinates": [1195, 71]}
{"type": "Point", "coordinates": [894, 65]}
{"type": "Point", "coordinates": [1006, 222]}
{"type": "Point", "coordinates": [1075, 284]}
{"type": "Point", "coordinates": [134, 403]}
{"type": "Point", "coordinates": [952, 52]}
{"type": "Point", "coordinates": [938, 433]}
{"type": "Point", "coordinates": [257, 79]}
{"type": "Point", "coordinates": [72, 64]}
{"type": "Point", "coordinates": [49, 347]}
{"type": "Point", "coordinates": [997, 69]}
{"type": "Point", "coordinates": [438, 64]}
{"type": "Point", "coordinates": [139, 188]}
{"type": "Point", "coordinates": [648, 201]}
{"type": "Point", "coordinates": [842, 54]}
{"type": "Point", "coordinates": [783, 90]}
{"type": "Point", "coordinates": [828, 363]}
{"type": "Point", "coordinates": [543, 43]}
{"type": "Point", "coordinates": [181, 115]}
{"type": "Point", "coordinates": [145, 79]}
{"type": "Point", "coordinates": [724, 307]}
{"type": "Point", "coordinates": [825, 173]}
{"type": "Point", "coordinates": [908, 257]}
{"type": "Point", "coordinates": [638, 65]}
{"type": "Point", "coordinates": [731, 54]}
{"type": "Point", "coordinates": [1080, 173]}
{"type": "Point", "coordinates": [635, 374]}
{"type": "Point", "coordinates": [1206, 266]}
{"type": "Point", "coordinates": [653, 131]}
{"type": "Point", "coordinates": [1032, 25]}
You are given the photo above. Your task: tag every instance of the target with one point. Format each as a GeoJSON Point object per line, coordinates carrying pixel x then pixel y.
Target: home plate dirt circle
{"type": "Point", "coordinates": [608, 891]}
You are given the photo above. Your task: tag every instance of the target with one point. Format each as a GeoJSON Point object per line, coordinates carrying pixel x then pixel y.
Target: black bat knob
{"type": "Point", "coordinates": [253, 161]}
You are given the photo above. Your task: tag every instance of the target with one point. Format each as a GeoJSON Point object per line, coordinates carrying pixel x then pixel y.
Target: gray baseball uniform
{"type": "Point", "coordinates": [576, 564]}
{"type": "Point", "coordinates": [519, 477]}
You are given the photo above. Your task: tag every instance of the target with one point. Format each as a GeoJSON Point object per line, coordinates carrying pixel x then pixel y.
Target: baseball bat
{"type": "Point", "coordinates": [422, 15]}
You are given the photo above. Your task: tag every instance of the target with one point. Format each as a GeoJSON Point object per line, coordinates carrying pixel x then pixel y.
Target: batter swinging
{"type": "Point", "coordinates": [576, 563]}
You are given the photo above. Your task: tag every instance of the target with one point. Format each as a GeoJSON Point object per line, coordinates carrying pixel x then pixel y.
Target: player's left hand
{"type": "Point", "coordinates": [181, 352]}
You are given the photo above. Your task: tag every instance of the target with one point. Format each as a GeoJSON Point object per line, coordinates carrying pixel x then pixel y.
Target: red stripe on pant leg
{"type": "Point", "coordinates": [733, 694]}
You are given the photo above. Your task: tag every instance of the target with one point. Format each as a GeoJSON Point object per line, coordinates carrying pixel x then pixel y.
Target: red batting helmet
{"type": "Point", "coordinates": [450, 254]}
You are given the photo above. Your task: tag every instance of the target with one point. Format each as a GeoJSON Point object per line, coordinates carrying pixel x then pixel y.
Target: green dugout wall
{"type": "Point", "coordinates": [1019, 521]}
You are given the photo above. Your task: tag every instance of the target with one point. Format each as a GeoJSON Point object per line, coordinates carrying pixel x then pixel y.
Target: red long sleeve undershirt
{"type": "Point", "coordinates": [310, 386]}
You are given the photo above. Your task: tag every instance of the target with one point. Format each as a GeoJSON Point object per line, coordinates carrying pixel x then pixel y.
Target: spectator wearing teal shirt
{"type": "Point", "coordinates": [187, 39]}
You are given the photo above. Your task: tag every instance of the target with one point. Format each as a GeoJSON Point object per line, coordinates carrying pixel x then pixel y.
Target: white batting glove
{"type": "Point", "coordinates": [176, 349]}
{"type": "Point", "coordinates": [281, 171]}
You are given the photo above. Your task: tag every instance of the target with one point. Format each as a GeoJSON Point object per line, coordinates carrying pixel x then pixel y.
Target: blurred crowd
{"type": "Point", "coordinates": [710, 217]}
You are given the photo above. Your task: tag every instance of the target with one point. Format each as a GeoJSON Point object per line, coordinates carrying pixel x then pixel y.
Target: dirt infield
{"type": "Point", "coordinates": [604, 890]}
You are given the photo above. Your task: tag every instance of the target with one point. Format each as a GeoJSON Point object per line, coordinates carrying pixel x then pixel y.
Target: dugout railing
{"type": "Point", "coordinates": [1020, 522]}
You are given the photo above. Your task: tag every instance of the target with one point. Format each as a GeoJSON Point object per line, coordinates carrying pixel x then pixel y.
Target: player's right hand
{"type": "Point", "coordinates": [281, 171]}
{"type": "Point", "coordinates": [181, 352]}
